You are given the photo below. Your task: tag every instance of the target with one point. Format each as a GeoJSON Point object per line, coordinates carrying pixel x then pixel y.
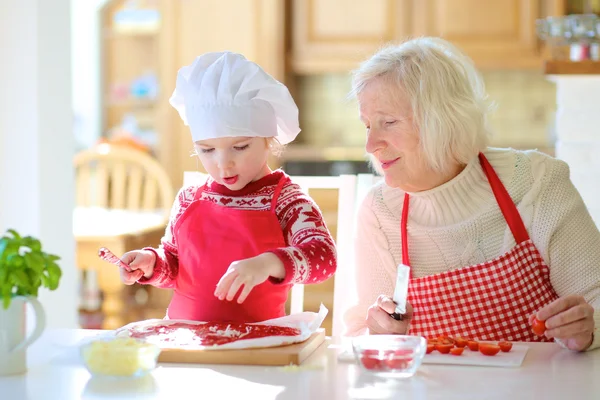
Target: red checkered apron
{"type": "Point", "coordinates": [488, 301]}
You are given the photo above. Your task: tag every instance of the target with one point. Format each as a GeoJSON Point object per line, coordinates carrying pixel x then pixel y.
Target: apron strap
{"type": "Point", "coordinates": [507, 206]}
{"type": "Point", "coordinates": [278, 189]}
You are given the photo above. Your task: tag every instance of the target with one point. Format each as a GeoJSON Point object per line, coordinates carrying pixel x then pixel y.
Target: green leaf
{"type": "Point", "coordinates": [54, 274]}
{"type": "Point", "coordinates": [35, 261]}
{"type": "Point", "coordinates": [32, 243]}
{"type": "Point", "coordinates": [25, 267]}
{"type": "Point", "coordinates": [6, 296]}
{"type": "Point", "coordinates": [15, 260]}
{"type": "Point", "coordinates": [51, 257]}
{"type": "Point", "coordinates": [3, 277]}
{"type": "Point", "coordinates": [21, 278]}
{"type": "Point", "coordinates": [14, 234]}
{"type": "Point", "coordinates": [4, 242]}
{"type": "Point", "coordinates": [34, 278]}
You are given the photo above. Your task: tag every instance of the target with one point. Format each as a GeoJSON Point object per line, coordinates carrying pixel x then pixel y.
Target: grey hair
{"type": "Point", "coordinates": [447, 94]}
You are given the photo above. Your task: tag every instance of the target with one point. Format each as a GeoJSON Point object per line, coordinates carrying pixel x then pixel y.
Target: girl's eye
{"type": "Point", "coordinates": [206, 150]}
{"type": "Point", "coordinates": [240, 148]}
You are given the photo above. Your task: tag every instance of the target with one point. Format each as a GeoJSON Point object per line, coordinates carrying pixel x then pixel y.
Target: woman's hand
{"type": "Point", "coordinates": [141, 263]}
{"type": "Point", "coordinates": [569, 319]}
{"type": "Point", "coordinates": [379, 320]}
{"type": "Point", "coordinates": [248, 273]}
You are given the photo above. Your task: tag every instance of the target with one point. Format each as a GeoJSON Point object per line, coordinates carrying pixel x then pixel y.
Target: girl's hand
{"type": "Point", "coordinates": [380, 322]}
{"type": "Point", "coordinates": [141, 263]}
{"type": "Point", "coordinates": [569, 319]}
{"type": "Point", "coordinates": [248, 273]}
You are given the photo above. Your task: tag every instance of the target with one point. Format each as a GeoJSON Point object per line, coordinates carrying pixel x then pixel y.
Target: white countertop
{"type": "Point", "coordinates": [548, 372]}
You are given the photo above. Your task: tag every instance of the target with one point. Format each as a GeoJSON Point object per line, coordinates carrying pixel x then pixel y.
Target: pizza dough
{"type": "Point", "coordinates": [194, 335]}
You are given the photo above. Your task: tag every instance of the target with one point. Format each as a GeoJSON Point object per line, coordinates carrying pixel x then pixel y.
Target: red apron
{"type": "Point", "coordinates": [209, 238]}
{"type": "Point", "coordinates": [488, 301]}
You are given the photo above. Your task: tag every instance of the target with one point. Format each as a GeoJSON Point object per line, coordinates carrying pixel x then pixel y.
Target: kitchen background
{"type": "Point", "coordinates": [126, 54]}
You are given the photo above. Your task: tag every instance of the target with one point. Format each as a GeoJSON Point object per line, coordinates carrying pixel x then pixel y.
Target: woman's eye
{"type": "Point", "coordinates": [206, 150]}
{"type": "Point", "coordinates": [390, 122]}
{"type": "Point", "coordinates": [240, 148]}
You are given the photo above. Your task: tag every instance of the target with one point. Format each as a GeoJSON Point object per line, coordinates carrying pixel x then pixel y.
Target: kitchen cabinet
{"type": "Point", "coordinates": [335, 35]}
{"type": "Point", "coordinates": [495, 34]}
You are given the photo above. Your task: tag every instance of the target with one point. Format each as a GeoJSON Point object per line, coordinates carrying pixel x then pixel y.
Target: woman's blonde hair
{"type": "Point", "coordinates": [447, 95]}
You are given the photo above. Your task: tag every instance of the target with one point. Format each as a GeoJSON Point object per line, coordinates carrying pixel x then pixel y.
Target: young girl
{"type": "Point", "coordinates": [234, 246]}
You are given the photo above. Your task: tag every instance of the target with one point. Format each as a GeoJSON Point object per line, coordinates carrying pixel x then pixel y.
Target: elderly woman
{"type": "Point", "coordinates": [493, 237]}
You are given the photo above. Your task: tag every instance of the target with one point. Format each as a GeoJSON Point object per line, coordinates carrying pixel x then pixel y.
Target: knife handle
{"type": "Point", "coordinates": [396, 316]}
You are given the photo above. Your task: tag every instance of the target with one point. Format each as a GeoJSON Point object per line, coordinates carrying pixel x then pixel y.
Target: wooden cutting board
{"type": "Point", "coordinates": [293, 354]}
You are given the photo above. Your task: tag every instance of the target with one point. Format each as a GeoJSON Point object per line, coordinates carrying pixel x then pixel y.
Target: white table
{"type": "Point", "coordinates": [548, 372]}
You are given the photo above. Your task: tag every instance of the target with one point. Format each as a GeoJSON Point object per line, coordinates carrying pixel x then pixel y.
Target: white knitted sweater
{"type": "Point", "coordinates": [459, 223]}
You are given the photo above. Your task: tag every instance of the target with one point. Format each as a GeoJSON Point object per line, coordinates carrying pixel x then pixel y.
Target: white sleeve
{"type": "Point", "coordinates": [372, 266]}
{"type": "Point", "coordinates": [570, 240]}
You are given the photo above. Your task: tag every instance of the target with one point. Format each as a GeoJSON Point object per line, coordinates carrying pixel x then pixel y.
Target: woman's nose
{"type": "Point", "coordinates": [374, 142]}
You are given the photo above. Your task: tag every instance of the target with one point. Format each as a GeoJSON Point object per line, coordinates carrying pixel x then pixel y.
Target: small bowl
{"type": "Point", "coordinates": [394, 356]}
{"type": "Point", "coordinates": [119, 357]}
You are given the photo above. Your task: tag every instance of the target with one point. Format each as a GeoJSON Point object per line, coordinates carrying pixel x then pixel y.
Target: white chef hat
{"type": "Point", "coordinates": [223, 94]}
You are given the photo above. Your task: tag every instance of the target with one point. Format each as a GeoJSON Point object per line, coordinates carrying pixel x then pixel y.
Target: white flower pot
{"type": "Point", "coordinates": [13, 342]}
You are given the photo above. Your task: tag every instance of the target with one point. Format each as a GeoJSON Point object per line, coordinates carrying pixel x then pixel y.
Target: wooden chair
{"type": "Point", "coordinates": [351, 192]}
{"type": "Point", "coordinates": [119, 177]}
{"type": "Point", "coordinates": [124, 198]}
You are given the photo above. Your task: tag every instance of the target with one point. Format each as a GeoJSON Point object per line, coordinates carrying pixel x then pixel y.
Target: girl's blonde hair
{"type": "Point", "coordinates": [275, 147]}
{"type": "Point", "coordinates": [447, 94]}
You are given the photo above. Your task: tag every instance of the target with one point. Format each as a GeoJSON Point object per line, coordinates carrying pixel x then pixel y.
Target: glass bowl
{"type": "Point", "coordinates": [397, 356]}
{"type": "Point", "coordinates": [119, 357]}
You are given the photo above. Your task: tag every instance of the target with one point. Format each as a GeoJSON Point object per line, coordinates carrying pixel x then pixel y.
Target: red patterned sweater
{"type": "Point", "coordinates": [310, 255]}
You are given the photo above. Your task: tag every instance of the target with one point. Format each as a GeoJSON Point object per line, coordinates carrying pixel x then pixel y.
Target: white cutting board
{"type": "Point", "coordinates": [514, 358]}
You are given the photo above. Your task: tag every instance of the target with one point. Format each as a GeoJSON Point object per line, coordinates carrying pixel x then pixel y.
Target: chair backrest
{"type": "Point", "coordinates": [120, 177]}
{"type": "Point", "coordinates": [351, 192]}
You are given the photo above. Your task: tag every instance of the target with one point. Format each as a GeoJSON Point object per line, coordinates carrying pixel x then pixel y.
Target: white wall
{"type": "Point", "coordinates": [36, 137]}
{"type": "Point", "coordinates": [578, 134]}
{"type": "Point", "coordinates": [85, 66]}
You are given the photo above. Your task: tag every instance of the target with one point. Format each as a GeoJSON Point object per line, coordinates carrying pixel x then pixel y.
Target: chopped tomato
{"type": "Point", "coordinates": [489, 349]}
{"type": "Point", "coordinates": [398, 359]}
{"type": "Point", "coordinates": [457, 351]}
{"type": "Point", "coordinates": [505, 346]}
{"type": "Point", "coordinates": [444, 348]}
{"type": "Point", "coordinates": [460, 342]}
{"type": "Point", "coordinates": [370, 353]}
{"type": "Point", "coordinates": [397, 363]}
{"type": "Point", "coordinates": [473, 345]}
{"type": "Point", "coordinates": [538, 327]}
{"type": "Point", "coordinates": [371, 363]}
{"type": "Point", "coordinates": [445, 340]}
{"type": "Point", "coordinates": [432, 341]}
{"type": "Point", "coordinates": [430, 348]}
{"type": "Point", "coordinates": [370, 359]}
{"type": "Point", "coordinates": [401, 353]}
